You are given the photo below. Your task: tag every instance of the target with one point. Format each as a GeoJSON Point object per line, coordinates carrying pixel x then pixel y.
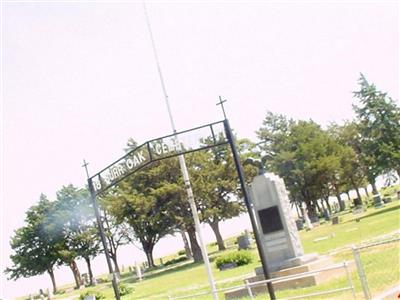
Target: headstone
{"type": "Point", "coordinates": [307, 221]}
{"type": "Point", "coordinates": [335, 220]}
{"type": "Point", "coordinates": [227, 266]}
{"type": "Point", "coordinates": [90, 297]}
{"type": "Point", "coordinates": [299, 224]}
{"type": "Point", "coordinates": [49, 294]}
{"type": "Point", "coordinates": [377, 200]}
{"type": "Point", "coordinates": [85, 279]}
{"type": "Point", "coordinates": [398, 195]}
{"type": "Point", "coordinates": [357, 202]}
{"type": "Point", "coordinates": [244, 242]}
{"type": "Point", "coordinates": [138, 271]}
{"type": "Point", "coordinates": [327, 216]}
{"type": "Point", "coordinates": [279, 237]}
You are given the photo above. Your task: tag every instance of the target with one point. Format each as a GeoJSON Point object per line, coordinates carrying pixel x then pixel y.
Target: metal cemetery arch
{"type": "Point", "coordinates": [162, 148]}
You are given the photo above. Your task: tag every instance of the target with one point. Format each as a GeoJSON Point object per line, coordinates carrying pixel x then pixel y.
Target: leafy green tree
{"type": "Point", "coordinates": [178, 206]}
{"type": "Point", "coordinates": [36, 252]}
{"type": "Point", "coordinates": [304, 155]}
{"type": "Point", "coordinates": [353, 168]}
{"type": "Point", "coordinates": [216, 186]}
{"type": "Point", "coordinates": [117, 234]}
{"type": "Point", "coordinates": [378, 118]}
{"type": "Point", "coordinates": [72, 222]}
{"type": "Point", "coordinates": [142, 201]}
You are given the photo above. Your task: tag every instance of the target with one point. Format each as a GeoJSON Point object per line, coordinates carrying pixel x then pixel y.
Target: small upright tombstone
{"type": "Point", "coordinates": [377, 200]}
{"type": "Point", "coordinates": [49, 294]}
{"type": "Point", "coordinates": [244, 241]}
{"type": "Point", "coordinates": [85, 279]}
{"type": "Point", "coordinates": [90, 297]}
{"type": "Point", "coordinates": [138, 271]}
{"type": "Point", "coordinates": [41, 294]}
{"type": "Point", "coordinates": [307, 220]}
{"type": "Point", "coordinates": [299, 224]}
{"type": "Point", "coordinates": [327, 215]}
{"type": "Point", "coordinates": [357, 202]}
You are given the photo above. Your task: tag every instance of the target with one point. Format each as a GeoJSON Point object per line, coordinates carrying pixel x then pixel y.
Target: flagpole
{"type": "Point", "coordinates": [183, 167]}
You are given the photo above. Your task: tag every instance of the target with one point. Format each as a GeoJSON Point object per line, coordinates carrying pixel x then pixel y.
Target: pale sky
{"type": "Point", "coordinates": [80, 79]}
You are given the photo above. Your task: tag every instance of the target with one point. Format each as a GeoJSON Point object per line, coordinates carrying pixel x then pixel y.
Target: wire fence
{"type": "Point", "coordinates": [378, 268]}
{"type": "Point", "coordinates": [376, 276]}
{"type": "Point", "coordinates": [249, 288]}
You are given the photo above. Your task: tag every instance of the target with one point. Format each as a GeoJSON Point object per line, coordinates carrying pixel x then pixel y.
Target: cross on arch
{"type": "Point", "coordinates": [221, 102]}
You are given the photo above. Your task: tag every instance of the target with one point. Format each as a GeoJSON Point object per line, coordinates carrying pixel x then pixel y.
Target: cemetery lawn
{"type": "Point", "coordinates": [188, 278]}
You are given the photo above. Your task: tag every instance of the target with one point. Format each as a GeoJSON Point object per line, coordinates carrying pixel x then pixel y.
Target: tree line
{"type": "Point", "coordinates": [314, 162]}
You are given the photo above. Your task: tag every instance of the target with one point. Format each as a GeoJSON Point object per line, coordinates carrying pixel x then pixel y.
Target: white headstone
{"type": "Point", "coordinates": [279, 237]}
{"type": "Point", "coordinates": [138, 271]}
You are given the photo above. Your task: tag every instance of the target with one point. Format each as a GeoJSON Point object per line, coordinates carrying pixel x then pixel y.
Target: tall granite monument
{"type": "Point", "coordinates": [280, 240]}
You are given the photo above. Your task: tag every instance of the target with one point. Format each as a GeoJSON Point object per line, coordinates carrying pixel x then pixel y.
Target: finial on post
{"type": "Point", "coordinates": [221, 102]}
{"type": "Point", "coordinates": [85, 164]}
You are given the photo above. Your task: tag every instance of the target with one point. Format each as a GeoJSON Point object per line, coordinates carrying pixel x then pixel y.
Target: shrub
{"type": "Point", "coordinates": [124, 289]}
{"type": "Point", "coordinates": [241, 258]}
{"type": "Point", "coordinates": [97, 295]}
{"type": "Point", "coordinates": [181, 252]}
{"type": "Point", "coordinates": [175, 260]}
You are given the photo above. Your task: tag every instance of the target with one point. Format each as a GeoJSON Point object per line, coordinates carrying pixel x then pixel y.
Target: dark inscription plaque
{"type": "Point", "coordinates": [270, 219]}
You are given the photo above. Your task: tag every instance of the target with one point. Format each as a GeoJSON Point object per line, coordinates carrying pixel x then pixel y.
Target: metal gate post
{"type": "Point", "coordinates": [361, 273]}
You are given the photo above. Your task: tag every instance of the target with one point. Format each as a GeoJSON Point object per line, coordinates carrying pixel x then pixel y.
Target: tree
{"type": "Point", "coordinates": [303, 155]}
{"type": "Point", "coordinates": [353, 168]}
{"type": "Point", "coordinates": [117, 234]}
{"type": "Point", "coordinates": [36, 252]}
{"type": "Point", "coordinates": [142, 201]}
{"type": "Point", "coordinates": [72, 222]}
{"type": "Point", "coordinates": [216, 186]}
{"type": "Point", "coordinates": [178, 206]}
{"type": "Point", "coordinates": [379, 124]}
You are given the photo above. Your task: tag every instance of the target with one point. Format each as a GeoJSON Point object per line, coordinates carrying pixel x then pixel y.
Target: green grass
{"type": "Point", "coordinates": [187, 278]}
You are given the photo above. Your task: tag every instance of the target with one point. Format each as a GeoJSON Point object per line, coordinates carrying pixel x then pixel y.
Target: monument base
{"type": "Point", "coordinates": [303, 264]}
{"type": "Point", "coordinates": [289, 263]}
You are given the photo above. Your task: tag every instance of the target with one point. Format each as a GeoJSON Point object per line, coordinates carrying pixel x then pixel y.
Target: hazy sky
{"type": "Point", "coordinates": [79, 79]}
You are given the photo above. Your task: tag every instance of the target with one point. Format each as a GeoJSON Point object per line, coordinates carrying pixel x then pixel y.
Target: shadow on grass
{"type": "Point", "coordinates": [378, 212]}
{"type": "Point", "coordinates": [179, 268]}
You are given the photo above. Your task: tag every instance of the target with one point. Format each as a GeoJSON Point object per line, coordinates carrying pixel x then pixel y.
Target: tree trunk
{"type": "Point", "coordinates": [196, 251]}
{"type": "Point", "coordinates": [150, 259]}
{"type": "Point", "coordinates": [342, 205]}
{"type": "Point", "coordinates": [53, 280]}
{"type": "Point", "coordinates": [348, 195]}
{"type": "Point", "coordinates": [328, 205]}
{"type": "Point", "coordinates": [115, 261]}
{"type": "Point", "coordinates": [317, 206]}
{"type": "Point", "coordinates": [374, 189]}
{"type": "Point", "coordinates": [89, 266]}
{"type": "Point", "coordinates": [356, 188]}
{"type": "Point", "coordinates": [186, 245]}
{"type": "Point", "coordinates": [297, 209]}
{"type": "Point", "coordinates": [148, 250]}
{"type": "Point", "coordinates": [366, 191]}
{"type": "Point", "coordinates": [77, 274]}
{"type": "Point", "coordinates": [358, 194]}
{"type": "Point", "coordinates": [220, 241]}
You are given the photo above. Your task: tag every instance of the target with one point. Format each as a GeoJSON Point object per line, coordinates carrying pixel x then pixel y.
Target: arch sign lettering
{"type": "Point", "coordinates": [195, 139]}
